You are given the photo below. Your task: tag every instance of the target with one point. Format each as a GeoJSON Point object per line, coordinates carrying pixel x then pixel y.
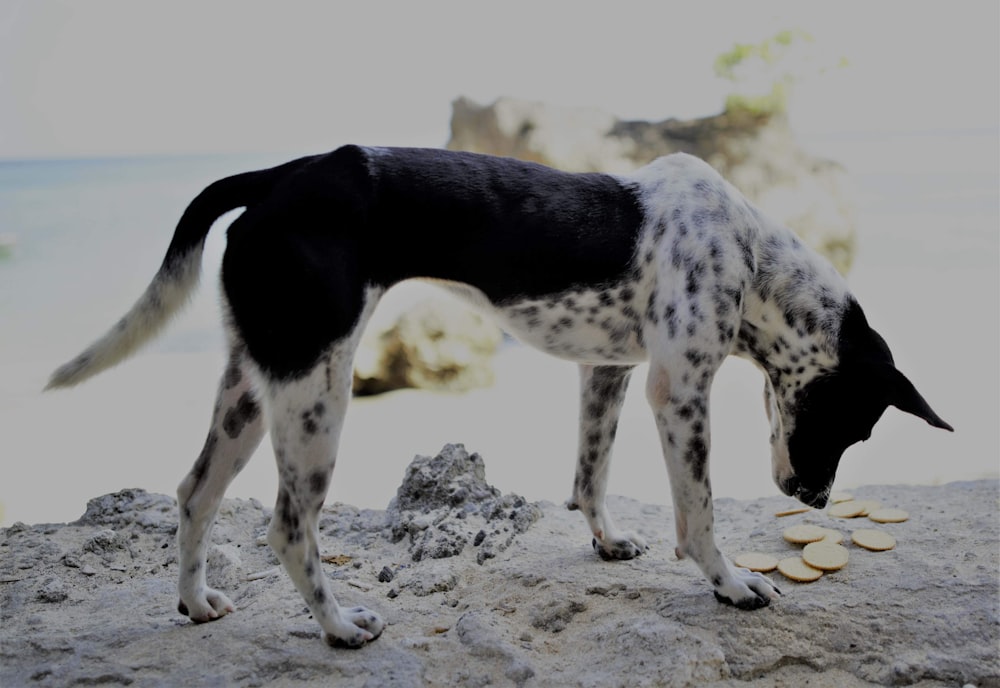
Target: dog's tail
{"type": "Point", "coordinates": [174, 282]}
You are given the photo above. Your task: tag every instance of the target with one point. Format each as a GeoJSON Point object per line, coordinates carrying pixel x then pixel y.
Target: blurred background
{"type": "Point", "coordinates": [113, 115]}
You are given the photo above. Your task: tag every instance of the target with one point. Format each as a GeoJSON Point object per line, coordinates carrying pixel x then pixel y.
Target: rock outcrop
{"type": "Point", "coordinates": [93, 602]}
{"type": "Point", "coordinates": [756, 152]}
{"type": "Point", "coordinates": [445, 504]}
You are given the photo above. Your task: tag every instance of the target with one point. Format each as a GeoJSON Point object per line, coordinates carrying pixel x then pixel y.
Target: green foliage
{"type": "Point", "coordinates": [764, 72]}
{"type": "Point", "coordinates": [768, 51]}
{"type": "Point", "coordinates": [774, 102]}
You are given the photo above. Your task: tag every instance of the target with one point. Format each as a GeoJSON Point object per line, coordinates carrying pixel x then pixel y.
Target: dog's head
{"type": "Point", "coordinates": [812, 426]}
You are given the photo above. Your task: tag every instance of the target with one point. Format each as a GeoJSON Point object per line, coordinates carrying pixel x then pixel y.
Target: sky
{"type": "Point", "coordinates": [117, 77]}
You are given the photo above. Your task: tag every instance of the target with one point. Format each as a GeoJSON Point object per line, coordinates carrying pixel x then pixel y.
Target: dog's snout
{"type": "Point", "coordinates": [793, 487]}
{"type": "Point", "coordinates": [816, 500]}
{"type": "Point", "coordinates": [789, 486]}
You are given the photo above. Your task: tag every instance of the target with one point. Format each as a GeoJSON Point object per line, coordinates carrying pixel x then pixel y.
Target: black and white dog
{"type": "Point", "coordinates": [669, 265]}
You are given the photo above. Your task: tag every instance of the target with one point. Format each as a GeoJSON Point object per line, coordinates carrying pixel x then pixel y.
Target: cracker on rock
{"type": "Point", "coordinates": [849, 509]}
{"type": "Point", "coordinates": [875, 540]}
{"type": "Point", "coordinates": [825, 556]}
{"type": "Point", "coordinates": [794, 568]}
{"type": "Point", "coordinates": [756, 561]}
{"type": "Point", "coordinates": [888, 515]}
{"type": "Point", "coordinates": [834, 536]}
{"type": "Point", "coordinates": [804, 533]}
{"type": "Point", "coordinates": [868, 506]}
{"type": "Point", "coordinates": [793, 511]}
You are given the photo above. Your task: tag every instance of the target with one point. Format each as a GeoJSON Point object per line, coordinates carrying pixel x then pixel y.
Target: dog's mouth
{"type": "Point", "coordinates": [814, 498]}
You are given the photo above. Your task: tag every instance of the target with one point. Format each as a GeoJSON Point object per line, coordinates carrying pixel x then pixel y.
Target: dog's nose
{"type": "Point", "coordinates": [790, 486]}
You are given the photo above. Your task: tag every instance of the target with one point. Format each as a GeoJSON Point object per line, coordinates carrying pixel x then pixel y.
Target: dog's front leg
{"type": "Point", "coordinates": [602, 390]}
{"type": "Point", "coordinates": [682, 419]}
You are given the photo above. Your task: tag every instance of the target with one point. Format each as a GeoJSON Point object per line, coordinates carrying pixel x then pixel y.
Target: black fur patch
{"type": "Point", "coordinates": [236, 418]}
{"type": "Point", "coordinates": [326, 228]}
{"type": "Point", "coordinates": [836, 410]}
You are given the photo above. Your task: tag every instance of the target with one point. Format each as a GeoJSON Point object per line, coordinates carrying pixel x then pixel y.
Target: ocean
{"type": "Point", "coordinates": [80, 239]}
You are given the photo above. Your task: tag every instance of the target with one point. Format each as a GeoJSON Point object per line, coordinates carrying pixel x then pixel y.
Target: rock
{"type": "Point", "coordinates": [547, 611]}
{"type": "Point", "coordinates": [452, 479]}
{"type": "Point", "coordinates": [53, 590]}
{"type": "Point", "coordinates": [475, 633]}
{"type": "Point", "coordinates": [108, 548]}
{"type": "Point", "coordinates": [672, 654]}
{"type": "Point", "coordinates": [555, 614]}
{"type": "Point", "coordinates": [132, 507]}
{"type": "Point", "coordinates": [435, 343]}
{"type": "Point", "coordinates": [425, 583]}
{"type": "Point", "coordinates": [445, 503]}
{"type": "Point", "coordinates": [225, 567]}
{"type": "Point", "coordinates": [106, 543]}
{"type": "Point", "coordinates": [757, 153]}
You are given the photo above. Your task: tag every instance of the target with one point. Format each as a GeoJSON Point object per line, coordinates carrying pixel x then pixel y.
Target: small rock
{"type": "Point", "coordinates": [556, 614]}
{"type": "Point", "coordinates": [482, 640]}
{"type": "Point", "coordinates": [429, 583]}
{"type": "Point", "coordinates": [225, 567]}
{"type": "Point", "coordinates": [132, 508]}
{"type": "Point", "coordinates": [53, 590]}
{"type": "Point", "coordinates": [386, 575]}
{"type": "Point", "coordinates": [106, 542]}
{"type": "Point", "coordinates": [444, 503]}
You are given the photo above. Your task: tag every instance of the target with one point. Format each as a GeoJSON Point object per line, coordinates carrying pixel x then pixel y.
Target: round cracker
{"type": "Point", "coordinates": [834, 536]}
{"type": "Point", "coordinates": [838, 497]}
{"type": "Point", "coordinates": [868, 506]}
{"type": "Point", "coordinates": [804, 533]}
{"type": "Point", "coordinates": [889, 515]}
{"type": "Point", "coordinates": [797, 570]}
{"type": "Point", "coordinates": [825, 556]}
{"type": "Point", "coordinates": [875, 540]}
{"type": "Point", "coordinates": [756, 561]}
{"type": "Point", "coordinates": [849, 509]}
{"type": "Point", "coordinates": [793, 511]}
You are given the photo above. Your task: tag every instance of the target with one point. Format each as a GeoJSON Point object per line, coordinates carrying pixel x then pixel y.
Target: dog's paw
{"type": "Point", "coordinates": [208, 606]}
{"type": "Point", "coordinates": [748, 590]}
{"type": "Point", "coordinates": [625, 546]}
{"type": "Point", "coordinates": [355, 627]}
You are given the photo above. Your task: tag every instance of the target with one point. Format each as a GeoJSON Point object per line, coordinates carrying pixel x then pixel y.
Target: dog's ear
{"type": "Point", "coordinates": [904, 396]}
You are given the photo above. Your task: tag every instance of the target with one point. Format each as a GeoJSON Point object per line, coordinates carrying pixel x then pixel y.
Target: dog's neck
{"type": "Point", "coordinates": [793, 310]}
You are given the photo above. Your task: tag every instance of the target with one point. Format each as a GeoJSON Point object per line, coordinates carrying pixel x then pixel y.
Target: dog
{"type": "Point", "coordinates": [669, 265]}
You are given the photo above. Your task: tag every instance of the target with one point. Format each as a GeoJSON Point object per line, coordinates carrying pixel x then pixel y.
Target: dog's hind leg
{"type": "Point", "coordinates": [306, 416]}
{"type": "Point", "coordinates": [237, 428]}
{"type": "Point", "coordinates": [602, 391]}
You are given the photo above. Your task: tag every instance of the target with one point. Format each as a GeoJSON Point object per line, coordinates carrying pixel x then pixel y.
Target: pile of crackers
{"type": "Point", "coordinates": [823, 550]}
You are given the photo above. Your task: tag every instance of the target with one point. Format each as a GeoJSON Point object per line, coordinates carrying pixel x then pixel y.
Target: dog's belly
{"type": "Point", "coordinates": [586, 326]}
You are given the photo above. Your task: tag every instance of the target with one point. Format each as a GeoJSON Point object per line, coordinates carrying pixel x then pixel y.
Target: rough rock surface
{"type": "Point", "coordinates": [92, 602]}
{"type": "Point", "coordinates": [434, 343]}
{"type": "Point", "coordinates": [445, 504]}
{"type": "Point", "coordinates": [757, 153]}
